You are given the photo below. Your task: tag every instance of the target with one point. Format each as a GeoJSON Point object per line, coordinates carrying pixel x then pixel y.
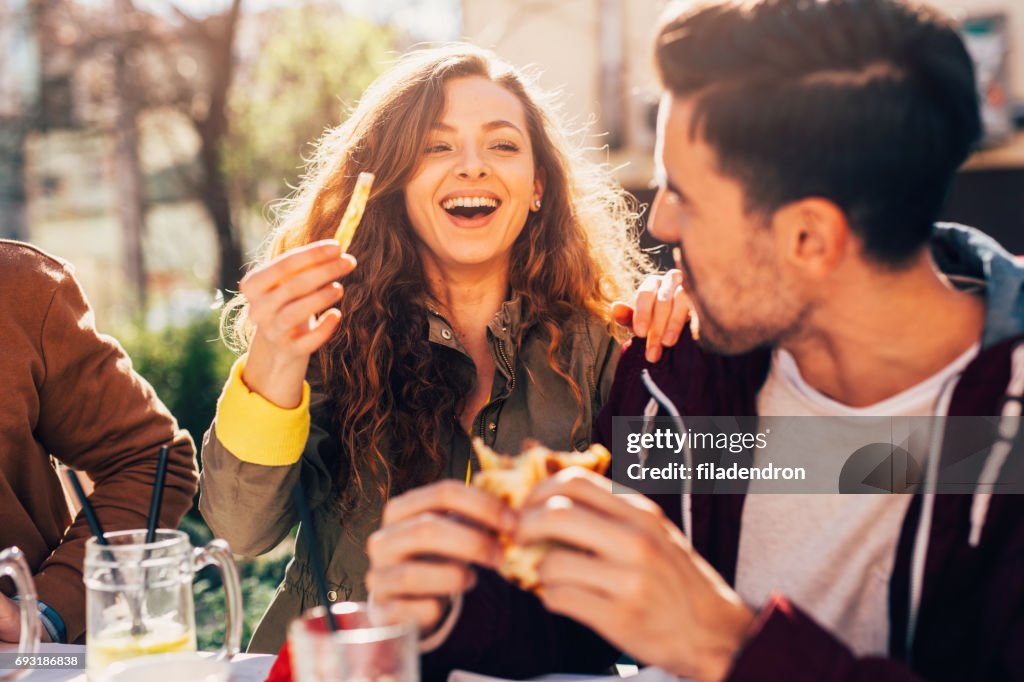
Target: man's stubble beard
{"type": "Point", "coordinates": [714, 337]}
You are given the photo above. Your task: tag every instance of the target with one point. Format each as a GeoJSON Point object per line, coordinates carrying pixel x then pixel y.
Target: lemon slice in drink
{"type": "Point", "coordinates": [118, 644]}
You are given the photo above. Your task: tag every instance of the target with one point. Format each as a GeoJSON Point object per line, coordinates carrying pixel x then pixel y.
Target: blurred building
{"type": "Point", "coordinates": [989, 190]}
{"type": "Point", "coordinates": [76, 178]}
{"type": "Point", "coordinates": [597, 53]}
{"type": "Point", "coordinates": [1013, 10]}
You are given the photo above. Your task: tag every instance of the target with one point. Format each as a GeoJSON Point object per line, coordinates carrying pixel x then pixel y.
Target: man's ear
{"type": "Point", "coordinates": [812, 234]}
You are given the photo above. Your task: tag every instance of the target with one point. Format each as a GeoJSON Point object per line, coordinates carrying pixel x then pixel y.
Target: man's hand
{"type": "Point", "coordinates": [10, 622]}
{"type": "Point", "coordinates": [10, 619]}
{"type": "Point", "coordinates": [624, 570]}
{"type": "Point", "coordinates": [658, 313]}
{"type": "Point", "coordinates": [428, 542]}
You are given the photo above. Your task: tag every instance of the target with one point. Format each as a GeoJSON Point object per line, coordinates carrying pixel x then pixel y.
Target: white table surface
{"type": "Point", "coordinates": [244, 667]}
{"type": "Point", "coordinates": [650, 674]}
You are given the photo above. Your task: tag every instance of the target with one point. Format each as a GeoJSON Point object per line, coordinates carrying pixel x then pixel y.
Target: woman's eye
{"type": "Point", "coordinates": [439, 147]}
{"type": "Point", "coordinates": [505, 146]}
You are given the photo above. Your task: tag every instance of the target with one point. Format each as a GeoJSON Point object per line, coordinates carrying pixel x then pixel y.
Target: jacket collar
{"type": "Point", "coordinates": [504, 326]}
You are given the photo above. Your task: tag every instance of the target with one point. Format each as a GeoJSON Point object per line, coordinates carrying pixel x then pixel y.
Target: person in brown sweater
{"type": "Point", "coordinates": [70, 395]}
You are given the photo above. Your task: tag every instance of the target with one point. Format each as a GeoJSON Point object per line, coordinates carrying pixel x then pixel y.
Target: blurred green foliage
{"type": "Point", "coordinates": [187, 366]}
{"type": "Point", "coordinates": [313, 64]}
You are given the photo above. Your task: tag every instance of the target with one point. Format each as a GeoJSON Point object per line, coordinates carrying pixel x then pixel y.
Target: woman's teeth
{"type": "Point", "coordinates": [469, 202]}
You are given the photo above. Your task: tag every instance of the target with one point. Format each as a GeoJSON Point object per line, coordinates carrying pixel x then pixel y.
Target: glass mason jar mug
{"type": "Point", "coordinates": [12, 565]}
{"type": "Point", "coordinates": [372, 644]}
{"type": "Point", "coordinates": [139, 596]}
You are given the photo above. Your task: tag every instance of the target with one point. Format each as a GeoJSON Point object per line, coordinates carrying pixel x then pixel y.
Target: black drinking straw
{"type": "Point", "coordinates": [90, 515]}
{"type": "Point", "coordinates": [158, 495]}
{"type": "Point", "coordinates": [97, 530]}
{"type": "Point", "coordinates": [306, 519]}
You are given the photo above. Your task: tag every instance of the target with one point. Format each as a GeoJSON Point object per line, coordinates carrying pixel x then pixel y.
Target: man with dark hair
{"type": "Point", "coordinates": [805, 151]}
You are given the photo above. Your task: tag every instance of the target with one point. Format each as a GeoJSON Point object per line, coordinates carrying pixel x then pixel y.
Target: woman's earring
{"type": "Point", "coordinates": [536, 204]}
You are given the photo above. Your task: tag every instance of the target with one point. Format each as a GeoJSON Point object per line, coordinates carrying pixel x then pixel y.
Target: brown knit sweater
{"type": "Point", "coordinates": [70, 392]}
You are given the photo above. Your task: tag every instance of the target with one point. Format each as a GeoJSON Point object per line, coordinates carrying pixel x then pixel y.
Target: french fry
{"type": "Point", "coordinates": [354, 211]}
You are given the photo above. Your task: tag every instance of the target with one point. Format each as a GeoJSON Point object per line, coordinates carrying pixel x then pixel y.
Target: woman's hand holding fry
{"type": "Point", "coordinates": [290, 304]}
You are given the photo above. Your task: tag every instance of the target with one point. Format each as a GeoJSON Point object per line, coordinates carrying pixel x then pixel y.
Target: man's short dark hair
{"type": "Point", "coordinates": [871, 104]}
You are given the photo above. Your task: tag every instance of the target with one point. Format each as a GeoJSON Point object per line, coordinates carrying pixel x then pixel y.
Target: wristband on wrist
{"type": "Point", "coordinates": [51, 620]}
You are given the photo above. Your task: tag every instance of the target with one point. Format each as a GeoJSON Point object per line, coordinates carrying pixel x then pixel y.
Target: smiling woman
{"type": "Point", "coordinates": [469, 199]}
{"type": "Point", "coordinates": [488, 258]}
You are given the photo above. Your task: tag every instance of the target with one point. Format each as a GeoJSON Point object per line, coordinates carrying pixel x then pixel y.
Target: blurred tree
{"type": "Point", "coordinates": [126, 60]}
{"type": "Point", "coordinates": [80, 41]}
{"type": "Point", "coordinates": [126, 38]}
{"type": "Point", "coordinates": [205, 103]}
{"type": "Point", "coordinates": [256, 88]}
{"type": "Point", "coordinates": [309, 63]}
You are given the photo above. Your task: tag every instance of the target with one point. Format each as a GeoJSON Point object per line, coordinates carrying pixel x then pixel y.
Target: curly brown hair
{"type": "Point", "coordinates": [391, 395]}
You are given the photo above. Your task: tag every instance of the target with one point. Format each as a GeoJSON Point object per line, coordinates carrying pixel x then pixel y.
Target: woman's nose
{"type": "Point", "coordinates": [471, 167]}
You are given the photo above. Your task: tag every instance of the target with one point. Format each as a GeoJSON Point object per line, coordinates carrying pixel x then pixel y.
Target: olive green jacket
{"type": "Point", "coordinates": [250, 505]}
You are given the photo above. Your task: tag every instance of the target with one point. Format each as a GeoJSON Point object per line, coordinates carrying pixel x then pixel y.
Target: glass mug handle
{"type": "Point", "coordinates": [217, 553]}
{"type": "Point", "coordinates": [12, 564]}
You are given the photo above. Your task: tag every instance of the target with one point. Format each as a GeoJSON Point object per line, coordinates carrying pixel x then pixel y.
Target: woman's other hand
{"type": "Point", "coordinates": [658, 313]}
{"type": "Point", "coordinates": [290, 301]}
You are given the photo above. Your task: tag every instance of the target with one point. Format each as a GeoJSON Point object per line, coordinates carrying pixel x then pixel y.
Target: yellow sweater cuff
{"type": "Point", "coordinates": [256, 430]}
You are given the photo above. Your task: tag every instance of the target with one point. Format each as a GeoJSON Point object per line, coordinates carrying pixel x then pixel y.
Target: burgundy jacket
{"type": "Point", "coordinates": [971, 617]}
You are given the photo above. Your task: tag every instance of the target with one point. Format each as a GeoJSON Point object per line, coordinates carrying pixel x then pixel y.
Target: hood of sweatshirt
{"type": "Point", "coordinates": [970, 257]}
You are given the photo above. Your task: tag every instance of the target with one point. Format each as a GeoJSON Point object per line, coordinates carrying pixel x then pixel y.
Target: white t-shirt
{"type": "Point", "coordinates": [831, 555]}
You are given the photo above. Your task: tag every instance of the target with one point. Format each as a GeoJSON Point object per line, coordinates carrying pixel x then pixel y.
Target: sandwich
{"type": "Point", "coordinates": [511, 478]}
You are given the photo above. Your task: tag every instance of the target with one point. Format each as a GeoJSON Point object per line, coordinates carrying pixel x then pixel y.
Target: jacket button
{"type": "Point", "coordinates": [332, 596]}
{"type": "Point", "coordinates": [492, 426]}
{"type": "Point", "coordinates": [446, 335]}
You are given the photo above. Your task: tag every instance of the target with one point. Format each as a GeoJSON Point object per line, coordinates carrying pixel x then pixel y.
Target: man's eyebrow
{"type": "Point", "coordinates": [675, 190]}
{"type": "Point", "coordinates": [661, 179]}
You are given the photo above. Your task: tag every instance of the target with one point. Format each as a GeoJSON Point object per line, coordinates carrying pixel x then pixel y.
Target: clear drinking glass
{"type": "Point", "coordinates": [12, 565]}
{"type": "Point", "coordinates": [139, 596]}
{"type": "Point", "coordinates": [371, 645]}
